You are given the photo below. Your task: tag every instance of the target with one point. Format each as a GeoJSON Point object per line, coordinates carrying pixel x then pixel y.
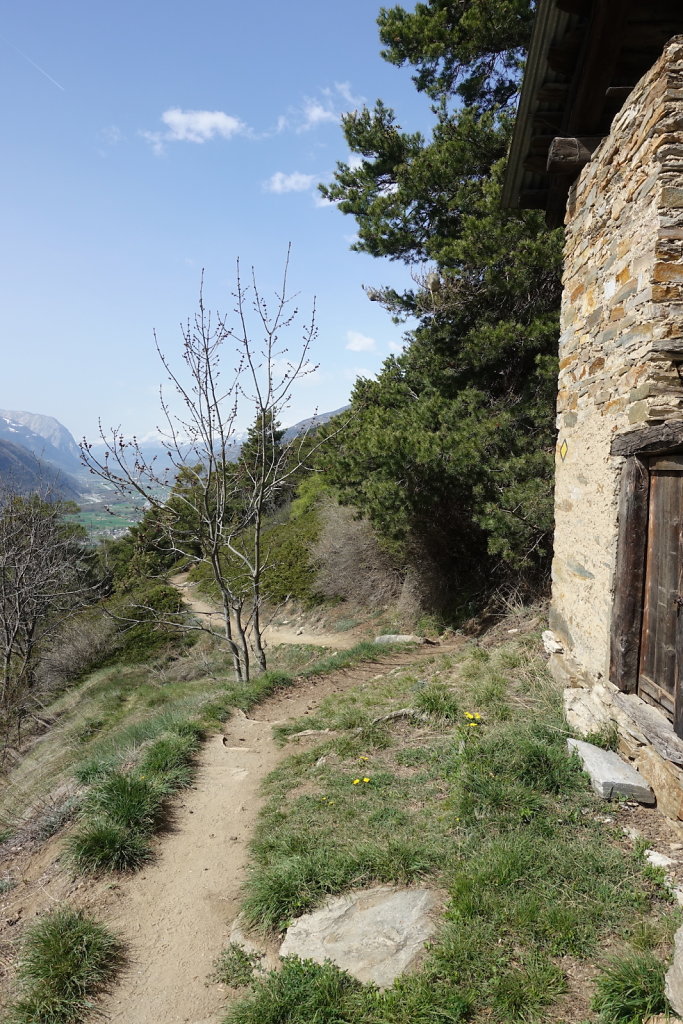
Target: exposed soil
{"type": "Point", "coordinates": [176, 915]}
{"type": "Point", "coordinates": [274, 633]}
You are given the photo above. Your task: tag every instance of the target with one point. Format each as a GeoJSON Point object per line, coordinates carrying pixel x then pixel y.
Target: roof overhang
{"type": "Point", "coordinates": [584, 59]}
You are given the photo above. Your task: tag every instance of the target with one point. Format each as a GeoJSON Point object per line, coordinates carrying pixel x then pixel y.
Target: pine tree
{"type": "Point", "coordinates": [451, 445]}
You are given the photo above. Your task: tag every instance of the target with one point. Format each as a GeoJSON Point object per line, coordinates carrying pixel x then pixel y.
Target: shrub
{"type": "Point", "coordinates": [66, 960]}
{"type": "Point", "coordinates": [81, 646]}
{"type": "Point", "coordinates": [350, 563]}
{"type": "Point", "coordinates": [140, 636]}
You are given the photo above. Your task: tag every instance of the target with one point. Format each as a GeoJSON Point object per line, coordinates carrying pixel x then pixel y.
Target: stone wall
{"type": "Point", "coordinates": [621, 343]}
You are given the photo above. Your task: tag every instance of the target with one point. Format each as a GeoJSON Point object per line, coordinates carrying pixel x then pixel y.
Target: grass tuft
{"type": "Point", "coordinates": [66, 960]}
{"type": "Point", "coordinates": [301, 992]}
{"type": "Point", "coordinates": [439, 700]}
{"type": "Point", "coordinates": [631, 988]}
{"type": "Point", "coordinates": [235, 966]}
{"type": "Point", "coordinates": [128, 800]}
{"type": "Point", "coordinates": [103, 845]}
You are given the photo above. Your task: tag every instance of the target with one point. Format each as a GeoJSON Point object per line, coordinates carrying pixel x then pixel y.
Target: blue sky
{"type": "Point", "coordinates": [146, 141]}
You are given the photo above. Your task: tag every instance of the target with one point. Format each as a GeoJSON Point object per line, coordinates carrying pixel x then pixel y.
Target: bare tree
{"type": "Point", "coordinates": [215, 512]}
{"type": "Point", "coordinates": [43, 579]}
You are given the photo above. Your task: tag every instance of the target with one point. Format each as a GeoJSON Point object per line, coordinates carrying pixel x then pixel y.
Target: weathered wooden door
{"type": "Point", "coordinates": [661, 650]}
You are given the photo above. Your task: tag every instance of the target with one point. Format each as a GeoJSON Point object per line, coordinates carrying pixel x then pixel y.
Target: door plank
{"type": "Point", "coordinates": [662, 629]}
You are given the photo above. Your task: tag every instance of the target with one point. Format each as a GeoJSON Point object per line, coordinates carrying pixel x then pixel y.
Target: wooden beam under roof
{"type": "Point", "coordinates": [585, 57]}
{"type": "Point", "coordinates": [569, 156]}
{"type": "Point", "coordinates": [596, 71]}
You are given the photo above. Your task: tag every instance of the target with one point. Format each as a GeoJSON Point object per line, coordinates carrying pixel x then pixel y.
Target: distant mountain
{"type": "Point", "coordinates": [311, 423]}
{"type": "Point", "coordinates": [152, 449]}
{"type": "Point", "coordinates": [44, 436]}
{"type": "Point", "coordinates": [23, 472]}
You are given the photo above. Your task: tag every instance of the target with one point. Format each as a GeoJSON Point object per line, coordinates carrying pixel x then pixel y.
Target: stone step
{"type": "Point", "coordinates": [609, 775]}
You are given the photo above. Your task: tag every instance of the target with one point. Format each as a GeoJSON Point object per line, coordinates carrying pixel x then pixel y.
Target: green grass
{"type": "Point", "coordinates": [132, 771]}
{"type": "Point", "coordinates": [631, 988]}
{"type": "Point", "coordinates": [123, 809]}
{"type": "Point", "coordinates": [301, 992]}
{"type": "Point", "coordinates": [480, 800]}
{"type": "Point", "coordinates": [66, 960]}
{"type": "Point", "coordinates": [235, 966]}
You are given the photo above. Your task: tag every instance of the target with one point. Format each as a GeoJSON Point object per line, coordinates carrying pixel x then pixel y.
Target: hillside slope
{"type": "Point", "coordinates": [24, 472]}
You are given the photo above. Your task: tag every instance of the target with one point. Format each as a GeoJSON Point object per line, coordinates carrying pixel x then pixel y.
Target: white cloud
{"type": "Point", "coordinates": [395, 347]}
{"type": "Point", "coordinates": [356, 342]}
{"type": "Point", "coordinates": [355, 161]}
{"type": "Point", "coordinates": [325, 108]}
{"type": "Point", "coordinates": [197, 126]}
{"type": "Point", "coordinates": [294, 182]}
{"type": "Point", "coordinates": [344, 90]}
{"type": "Point", "coordinates": [315, 113]}
{"type": "Point", "coordinates": [200, 125]}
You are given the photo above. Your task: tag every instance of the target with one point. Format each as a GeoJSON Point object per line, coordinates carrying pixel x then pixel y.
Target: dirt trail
{"type": "Point", "coordinates": [176, 915]}
{"type": "Point", "coordinates": [272, 634]}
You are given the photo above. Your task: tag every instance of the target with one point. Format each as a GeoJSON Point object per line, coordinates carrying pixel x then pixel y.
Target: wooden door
{"type": "Point", "coordinates": [661, 652]}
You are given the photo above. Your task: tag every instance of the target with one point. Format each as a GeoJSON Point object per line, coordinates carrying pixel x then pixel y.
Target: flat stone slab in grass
{"type": "Point", "coordinates": [610, 776]}
{"type": "Point", "coordinates": [674, 976]}
{"type": "Point", "coordinates": [374, 934]}
{"type": "Point", "coordinates": [399, 638]}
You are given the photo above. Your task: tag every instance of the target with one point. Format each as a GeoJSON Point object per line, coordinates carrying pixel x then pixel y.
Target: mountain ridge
{"type": "Point", "coordinates": [23, 472]}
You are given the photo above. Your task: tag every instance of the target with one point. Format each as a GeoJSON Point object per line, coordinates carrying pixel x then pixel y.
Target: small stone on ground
{"type": "Point", "coordinates": [658, 860]}
{"type": "Point", "coordinates": [374, 934]}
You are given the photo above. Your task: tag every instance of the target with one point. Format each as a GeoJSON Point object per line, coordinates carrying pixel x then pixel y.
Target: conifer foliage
{"type": "Point", "coordinates": [452, 443]}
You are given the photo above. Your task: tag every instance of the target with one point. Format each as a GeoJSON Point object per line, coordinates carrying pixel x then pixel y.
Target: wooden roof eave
{"type": "Point", "coordinates": [550, 23]}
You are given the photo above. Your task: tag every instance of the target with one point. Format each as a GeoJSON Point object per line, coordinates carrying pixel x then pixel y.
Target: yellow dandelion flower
{"type": "Point", "coordinates": [366, 780]}
{"type": "Point", "coordinates": [468, 714]}
{"type": "Point", "coordinates": [473, 723]}
{"type": "Point", "coordinates": [356, 781]}
{"type": "Point", "coordinates": [477, 715]}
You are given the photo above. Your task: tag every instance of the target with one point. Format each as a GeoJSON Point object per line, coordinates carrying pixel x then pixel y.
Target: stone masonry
{"type": "Point", "coordinates": [621, 351]}
{"type": "Point", "coordinates": [621, 344]}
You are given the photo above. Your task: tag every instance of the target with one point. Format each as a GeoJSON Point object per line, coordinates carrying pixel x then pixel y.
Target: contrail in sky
{"type": "Point", "coordinates": [36, 66]}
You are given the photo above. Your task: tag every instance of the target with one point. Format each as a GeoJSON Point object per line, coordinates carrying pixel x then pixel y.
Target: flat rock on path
{"type": "Point", "coordinates": [374, 934]}
{"type": "Point", "coordinates": [609, 775]}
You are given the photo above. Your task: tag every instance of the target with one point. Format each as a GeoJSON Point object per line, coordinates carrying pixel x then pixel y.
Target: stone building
{"type": "Point", "coordinates": [599, 141]}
